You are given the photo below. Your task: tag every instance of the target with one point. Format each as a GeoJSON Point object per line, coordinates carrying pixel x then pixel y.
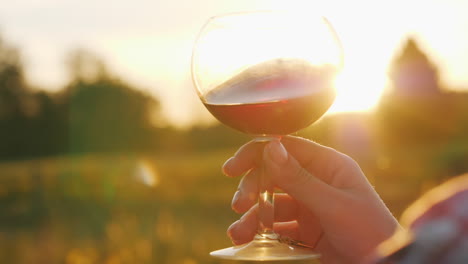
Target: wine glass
{"type": "Point", "coordinates": [266, 74]}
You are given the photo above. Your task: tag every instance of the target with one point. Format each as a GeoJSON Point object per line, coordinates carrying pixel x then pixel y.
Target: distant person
{"type": "Point", "coordinates": [327, 203]}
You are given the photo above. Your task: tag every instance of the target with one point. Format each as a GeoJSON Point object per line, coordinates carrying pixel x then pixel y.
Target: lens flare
{"type": "Point", "coordinates": [146, 173]}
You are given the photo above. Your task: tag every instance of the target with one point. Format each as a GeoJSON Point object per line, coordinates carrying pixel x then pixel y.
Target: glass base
{"type": "Point", "coordinates": [263, 248]}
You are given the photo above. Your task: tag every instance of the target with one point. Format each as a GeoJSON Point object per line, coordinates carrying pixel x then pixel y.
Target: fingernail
{"type": "Point", "coordinates": [277, 152]}
{"type": "Point", "coordinates": [226, 164]}
{"type": "Point", "coordinates": [235, 198]}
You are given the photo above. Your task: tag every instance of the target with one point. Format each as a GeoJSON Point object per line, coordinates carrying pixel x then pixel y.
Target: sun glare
{"type": "Point", "coordinates": [358, 89]}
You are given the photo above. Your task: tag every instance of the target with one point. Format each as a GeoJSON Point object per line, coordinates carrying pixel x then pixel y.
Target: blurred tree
{"type": "Point", "coordinates": [412, 73]}
{"type": "Point", "coordinates": [84, 66]}
{"type": "Point", "coordinates": [218, 136]}
{"type": "Point", "coordinates": [31, 122]}
{"type": "Point", "coordinates": [49, 126]}
{"type": "Point", "coordinates": [12, 83]}
{"type": "Point", "coordinates": [104, 113]}
{"type": "Point", "coordinates": [411, 112]}
{"type": "Point", "coordinates": [418, 116]}
{"type": "Point", "coordinates": [16, 103]}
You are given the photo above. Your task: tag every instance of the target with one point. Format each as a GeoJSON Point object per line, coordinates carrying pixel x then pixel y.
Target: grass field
{"type": "Point", "coordinates": [117, 209]}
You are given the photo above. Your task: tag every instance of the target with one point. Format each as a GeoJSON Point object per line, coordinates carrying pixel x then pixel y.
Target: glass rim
{"type": "Point", "coordinates": [265, 11]}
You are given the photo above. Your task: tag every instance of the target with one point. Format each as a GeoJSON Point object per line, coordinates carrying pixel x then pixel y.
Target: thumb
{"type": "Point", "coordinates": [288, 174]}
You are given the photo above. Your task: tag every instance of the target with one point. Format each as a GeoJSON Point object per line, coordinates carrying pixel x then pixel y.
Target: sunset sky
{"type": "Point", "coordinates": [148, 43]}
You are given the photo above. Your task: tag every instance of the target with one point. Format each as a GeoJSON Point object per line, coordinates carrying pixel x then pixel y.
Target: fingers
{"type": "Point", "coordinates": [305, 150]}
{"type": "Point", "coordinates": [286, 209]}
{"type": "Point", "coordinates": [287, 229]}
{"type": "Point", "coordinates": [308, 171]}
{"type": "Point", "coordinates": [308, 233]}
{"type": "Point", "coordinates": [244, 229]}
{"type": "Point", "coordinates": [288, 221]}
{"type": "Point", "coordinates": [247, 193]}
{"type": "Point", "coordinates": [289, 175]}
{"type": "Point", "coordinates": [244, 159]}
{"type": "Point", "coordinates": [323, 161]}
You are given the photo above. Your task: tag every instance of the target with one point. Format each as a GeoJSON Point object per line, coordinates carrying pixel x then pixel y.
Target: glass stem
{"type": "Point", "coordinates": [266, 205]}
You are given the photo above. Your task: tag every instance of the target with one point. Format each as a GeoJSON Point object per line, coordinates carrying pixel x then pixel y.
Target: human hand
{"type": "Point", "coordinates": [327, 201]}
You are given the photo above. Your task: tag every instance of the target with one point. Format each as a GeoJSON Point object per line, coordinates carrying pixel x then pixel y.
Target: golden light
{"type": "Point", "coordinates": [161, 61]}
{"type": "Point", "coordinates": [146, 173]}
{"type": "Point", "coordinates": [358, 88]}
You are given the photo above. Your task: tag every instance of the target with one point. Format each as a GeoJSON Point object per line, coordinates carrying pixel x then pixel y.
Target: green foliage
{"type": "Point", "coordinates": [108, 115]}
{"type": "Point", "coordinates": [17, 104]}
{"type": "Point", "coordinates": [103, 203]}
{"type": "Point", "coordinates": [94, 113]}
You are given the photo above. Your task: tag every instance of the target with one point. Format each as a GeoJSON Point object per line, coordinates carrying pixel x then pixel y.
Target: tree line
{"type": "Point", "coordinates": [98, 112]}
{"type": "Point", "coordinates": [94, 112]}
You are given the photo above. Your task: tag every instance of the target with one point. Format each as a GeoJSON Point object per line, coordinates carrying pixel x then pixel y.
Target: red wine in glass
{"type": "Point", "coordinates": [276, 97]}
